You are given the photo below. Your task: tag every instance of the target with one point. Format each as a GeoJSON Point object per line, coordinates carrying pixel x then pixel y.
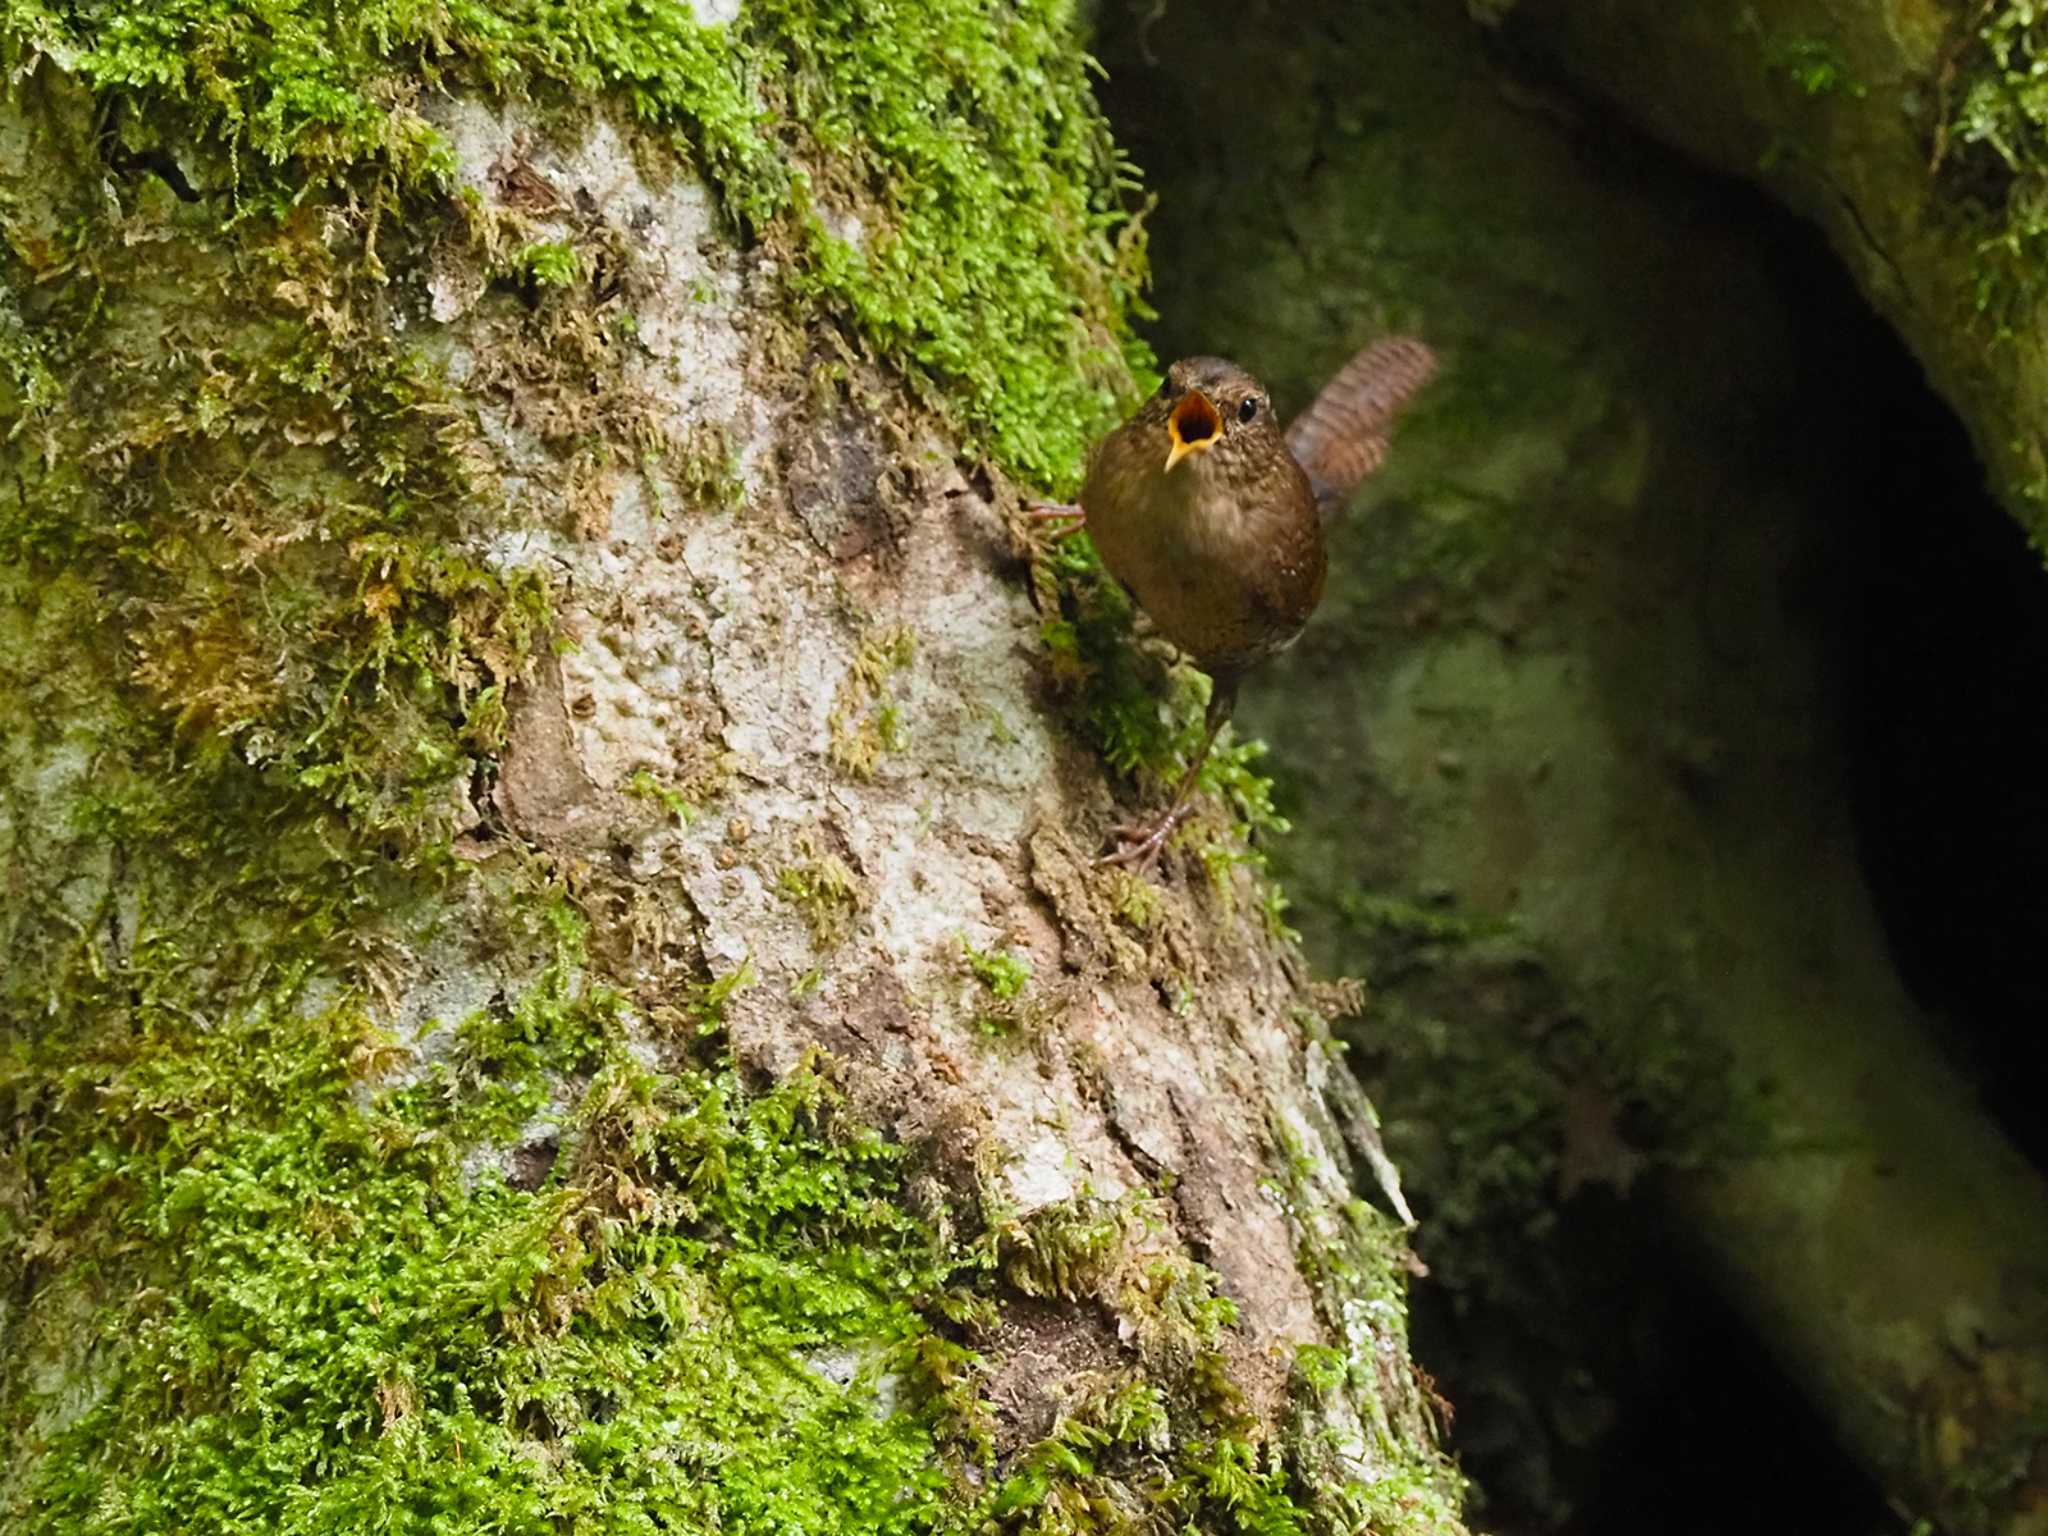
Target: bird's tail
{"type": "Point", "coordinates": [1342, 437]}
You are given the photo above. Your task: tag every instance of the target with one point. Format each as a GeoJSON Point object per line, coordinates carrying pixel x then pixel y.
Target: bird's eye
{"type": "Point", "coordinates": [1249, 408]}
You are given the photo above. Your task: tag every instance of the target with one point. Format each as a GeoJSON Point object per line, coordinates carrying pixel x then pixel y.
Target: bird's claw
{"type": "Point", "coordinates": [1075, 516]}
{"type": "Point", "coordinates": [1142, 843]}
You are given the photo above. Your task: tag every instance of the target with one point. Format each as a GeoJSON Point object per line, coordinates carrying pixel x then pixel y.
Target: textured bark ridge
{"type": "Point", "coordinates": [554, 968]}
{"type": "Point", "coordinates": [867, 682]}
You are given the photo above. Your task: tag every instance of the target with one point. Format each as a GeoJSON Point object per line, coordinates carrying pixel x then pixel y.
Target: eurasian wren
{"type": "Point", "coordinates": [1214, 518]}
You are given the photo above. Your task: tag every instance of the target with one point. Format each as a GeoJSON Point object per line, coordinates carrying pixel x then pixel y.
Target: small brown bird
{"type": "Point", "coordinates": [1214, 518]}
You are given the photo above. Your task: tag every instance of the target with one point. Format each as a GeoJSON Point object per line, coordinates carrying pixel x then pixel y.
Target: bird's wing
{"type": "Point", "coordinates": [1342, 437]}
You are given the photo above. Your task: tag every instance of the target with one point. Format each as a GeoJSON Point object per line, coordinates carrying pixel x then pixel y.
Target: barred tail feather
{"type": "Point", "coordinates": [1342, 437]}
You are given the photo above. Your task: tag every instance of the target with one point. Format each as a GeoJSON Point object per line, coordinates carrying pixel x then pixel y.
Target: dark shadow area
{"type": "Point", "coordinates": [1641, 1402]}
{"type": "Point", "coordinates": [1941, 678]}
{"type": "Point", "coordinates": [1717, 1442]}
{"type": "Point", "coordinates": [1669, 1418]}
{"type": "Point", "coordinates": [1947, 732]}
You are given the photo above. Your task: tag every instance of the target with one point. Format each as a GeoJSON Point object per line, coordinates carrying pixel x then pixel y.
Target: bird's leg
{"type": "Point", "coordinates": [1070, 512]}
{"type": "Point", "coordinates": [1142, 842]}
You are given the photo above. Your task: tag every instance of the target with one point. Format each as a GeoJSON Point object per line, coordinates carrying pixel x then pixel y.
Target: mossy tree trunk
{"type": "Point", "coordinates": [553, 978]}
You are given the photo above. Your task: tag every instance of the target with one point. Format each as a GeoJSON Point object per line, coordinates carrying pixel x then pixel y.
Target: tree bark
{"type": "Point", "coordinates": [554, 975]}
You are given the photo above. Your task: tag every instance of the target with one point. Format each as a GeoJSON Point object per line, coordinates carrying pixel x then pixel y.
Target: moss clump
{"type": "Point", "coordinates": [1001, 1005]}
{"type": "Point", "coordinates": [994, 261]}
{"type": "Point", "coordinates": [1126, 1458]}
{"type": "Point", "coordinates": [1991, 150]}
{"type": "Point", "coordinates": [1119, 1463]}
{"type": "Point", "coordinates": [1071, 1250]}
{"type": "Point", "coordinates": [706, 469]}
{"type": "Point", "coordinates": [819, 885]}
{"type": "Point", "coordinates": [1170, 1446]}
{"type": "Point", "coordinates": [1144, 712]}
{"type": "Point", "coordinates": [1815, 66]}
{"type": "Point", "coordinates": [1002, 259]}
{"type": "Point", "coordinates": [865, 722]}
{"type": "Point", "coordinates": [1004, 972]}
{"type": "Point", "coordinates": [551, 263]}
{"type": "Point", "coordinates": [338, 1310]}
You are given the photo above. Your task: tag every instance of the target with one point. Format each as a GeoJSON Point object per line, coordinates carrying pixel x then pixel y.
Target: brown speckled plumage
{"type": "Point", "coordinates": [1225, 550]}
{"type": "Point", "coordinates": [1214, 518]}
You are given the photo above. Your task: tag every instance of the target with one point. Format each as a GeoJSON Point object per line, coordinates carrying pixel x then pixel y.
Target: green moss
{"type": "Point", "coordinates": [270, 529]}
{"type": "Point", "coordinates": [1058, 1486]}
{"type": "Point", "coordinates": [821, 887]}
{"type": "Point", "coordinates": [681, 1303]}
{"type": "Point", "coordinates": [1005, 973]}
{"type": "Point", "coordinates": [1071, 1250]}
{"type": "Point", "coordinates": [1992, 153]}
{"type": "Point", "coordinates": [705, 467]}
{"type": "Point", "coordinates": [1144, 712]}
{"type": "Point", "coordinates": [995, 261]}
{"type": "Point", "coordinates": [341, 1318]}
{"type": "Point", "coordinates": [1352, 1257]}
{"type": "Point", "coordinates": [865, 723]}
{"type": "Point", "coordinates": [1001, 1007]}
{"type": "Point", "coordinates": [1321, 1368]}
{"type": "Point", "coordinates": [1813, 65]}
{"type": "Point", "coordinates": [1134, 900]}
{"type": "Point", "coordinates": [550, 262]}
{"type": "Point", "coordinates": [1001, 260]}
{"type": "Point", "coordinates": [1125, 1458]}
{"type": "Point", "coordinates": [645, 786]}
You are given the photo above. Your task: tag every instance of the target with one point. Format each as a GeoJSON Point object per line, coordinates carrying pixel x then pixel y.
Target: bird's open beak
{"type": "Point", "coordinates": [1194, 427]}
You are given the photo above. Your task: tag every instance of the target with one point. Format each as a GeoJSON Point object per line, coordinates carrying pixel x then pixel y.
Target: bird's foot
{"type": "Point", "coordinates": [1142, 842]}
{"type": "Point", "coordinates": [1071, 513]}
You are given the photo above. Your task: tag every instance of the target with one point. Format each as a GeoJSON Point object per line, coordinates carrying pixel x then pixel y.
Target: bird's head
{"type": "Point", "coordinates": [1214, 416]}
